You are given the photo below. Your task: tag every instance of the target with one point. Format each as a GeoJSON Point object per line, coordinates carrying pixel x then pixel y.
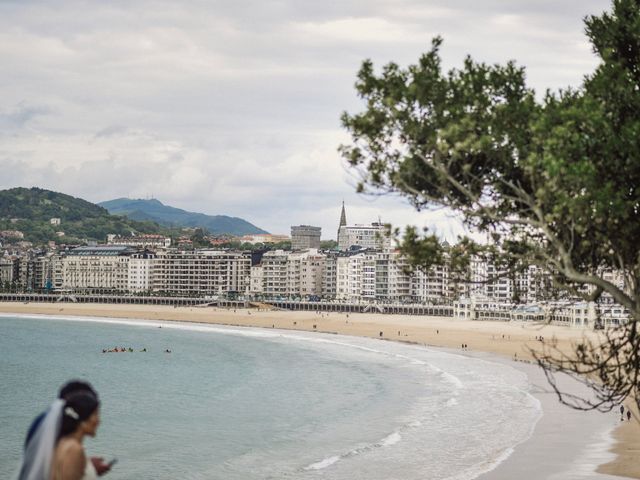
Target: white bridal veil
{"type": "Point", "coordinates": [38, 454]}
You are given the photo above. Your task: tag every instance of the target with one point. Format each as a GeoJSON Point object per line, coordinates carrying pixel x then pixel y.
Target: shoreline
{"type": "Point", "coordinates": [508, 341]}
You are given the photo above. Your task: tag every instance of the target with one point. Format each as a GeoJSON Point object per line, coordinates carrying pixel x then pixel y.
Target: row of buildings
{"type": "Point", "coordinates": [364, 268]}
{"type": "Point", "coordinates": [358, 274]}
{"type": "Point", "coordinates": [354, 276]}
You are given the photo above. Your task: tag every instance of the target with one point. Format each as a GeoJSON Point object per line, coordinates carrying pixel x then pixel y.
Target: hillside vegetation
{"type": "Point", "coordinates": [30, 210]}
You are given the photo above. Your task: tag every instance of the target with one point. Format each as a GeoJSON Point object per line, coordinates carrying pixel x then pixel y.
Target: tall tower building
{"type": "Point", "coordinates": [304, 237]}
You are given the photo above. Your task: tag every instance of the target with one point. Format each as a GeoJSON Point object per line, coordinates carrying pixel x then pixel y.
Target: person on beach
{"type": "Point", "coordinates": [628, 415]}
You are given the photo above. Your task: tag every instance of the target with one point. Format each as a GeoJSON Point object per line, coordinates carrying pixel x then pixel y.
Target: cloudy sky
{"type": "Point", "coordinates": [232, 107]}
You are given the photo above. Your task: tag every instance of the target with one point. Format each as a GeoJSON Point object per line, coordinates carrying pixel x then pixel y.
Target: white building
{"type": "Point", "coordinates": [140, 269]}
{"type": "Point", "coordinates": [200, 272]}
{"type": "Point", "coordinates": [6, 270]}
{"type": "Point", "coordinates": [312, 274]}
{"type": "Point", "coordinates": [96, 268]}
{"type": "Point", "coordinates": [140, 241]}
{"type": "Point", "coordinates": [291, 274]}
{"type": "Point", "coordinates": [356, 277]}
{"type": "Point", "coordinates": [274, 265]}
{"type": "Point", "coordinates": [372, 276]}
{"type": "Point", "coordinates": [432, 286]}
{"type": "Point", "coordinates": [374, 236]}
{"type": "Point", "coordinates": [256, 281]}
{"type": "Point", "coordinates": [329, 276]}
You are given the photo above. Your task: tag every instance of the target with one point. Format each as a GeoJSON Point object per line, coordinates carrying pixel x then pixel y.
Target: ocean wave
{"type": "Point", "coordinates": [327, 462]}
{"type": "Point", "coordinates": [389, 440]}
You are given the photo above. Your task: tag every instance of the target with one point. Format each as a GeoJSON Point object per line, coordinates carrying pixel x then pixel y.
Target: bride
{"type": "Point", "coordinates": [56, 450]}
{"type": "Point", "coordinates": [80, 417]}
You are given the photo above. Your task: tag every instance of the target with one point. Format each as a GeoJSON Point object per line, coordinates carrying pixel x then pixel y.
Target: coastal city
{"type": "Point", "coordinates": [363, 268]}
{"type": "Point", "coordinates": [385, 240]}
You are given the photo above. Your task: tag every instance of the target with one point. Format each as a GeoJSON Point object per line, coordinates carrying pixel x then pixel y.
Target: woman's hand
{"type": "Point", "coordinates": [100, 465]}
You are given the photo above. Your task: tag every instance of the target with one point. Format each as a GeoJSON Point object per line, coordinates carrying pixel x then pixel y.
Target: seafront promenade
{"type": "Point", "coordinates": [345, 307]}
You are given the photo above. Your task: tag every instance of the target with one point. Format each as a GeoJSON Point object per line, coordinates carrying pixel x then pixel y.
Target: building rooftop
{"type": "Point", "coordinates": [101, 251]}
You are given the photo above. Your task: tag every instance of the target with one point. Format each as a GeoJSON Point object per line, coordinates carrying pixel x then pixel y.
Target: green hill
{"type": "Point", "coordinates": [175, 217]}
{"type": "Point", "coordinates": [30, 210]}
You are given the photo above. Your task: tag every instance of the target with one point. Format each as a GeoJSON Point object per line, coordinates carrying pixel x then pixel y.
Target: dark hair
{"type": "Point", "coordinates": [78, 407]}
{"type": "Point", "coordinates": [76, 386]}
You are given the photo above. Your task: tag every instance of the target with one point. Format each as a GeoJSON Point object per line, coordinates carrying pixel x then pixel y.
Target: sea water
{"type": "Point", "coordinates": [241, 403]}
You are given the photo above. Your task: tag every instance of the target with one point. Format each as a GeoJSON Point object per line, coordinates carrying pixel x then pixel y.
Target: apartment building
{"type": "Point", "coordinates": [96, 268]}
{"type": "Point", "coordinates": [298, 274]}
{"type": "Point", "coordinates": [312, 274]}
{"type": "Point", "coordinates": [433, 286]}
{"type": "Point", "coordinates": [399, 279]}
{"type": "Point", "coordinates": [140, 271]}
{"type": "Point", "coordinates": [6, 270]}
{"type": "Point", "coordinates": [200, 272]}
{"type": "Point", "coordinates": [274, 265]}
{"type": "Point", "coordinates": [256, 281]}
{"type": "Point", "coordinates": [329, 276]}
{"type": "Point", "coordinates": [373, 236]}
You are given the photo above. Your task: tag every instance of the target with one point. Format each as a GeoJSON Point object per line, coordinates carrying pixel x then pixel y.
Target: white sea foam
{"type": "Point", "coordinates": [389, 440]}
{"type": "Point", "coordinates": [452, 379]}
{"type": "Point", "coordinates": [327, 462]}
{"type": "Point", "coordinates": [483, 467]}
{"type": "Point", "coordinates": [392, 439]}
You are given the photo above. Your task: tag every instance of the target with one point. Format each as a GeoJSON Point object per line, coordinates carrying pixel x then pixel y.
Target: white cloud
{"type": "Point", "coordinates": [232, 108]}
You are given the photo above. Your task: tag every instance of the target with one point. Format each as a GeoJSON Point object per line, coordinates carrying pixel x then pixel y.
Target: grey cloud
{"type": "Point", "coordinates": [233, 107]}
{"type": "Point", "coordinates": [111, 131]}
{"type": "Point", "coordinates": [21, 114]}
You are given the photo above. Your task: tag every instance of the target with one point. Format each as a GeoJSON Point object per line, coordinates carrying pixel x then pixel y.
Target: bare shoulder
{"type": "Point", "coordinates": [70, 460]}
{"type": "Point", "coordinates": [70, 446]}
{"type": "Point", "coordinates": [75, 448]}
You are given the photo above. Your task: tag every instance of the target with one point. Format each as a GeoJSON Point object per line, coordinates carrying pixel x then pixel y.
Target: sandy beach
{"type": "Point", "coordinates": [510, 341]}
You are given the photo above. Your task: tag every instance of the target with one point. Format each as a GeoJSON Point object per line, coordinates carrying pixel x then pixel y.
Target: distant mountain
{"type": "Point", "coordinates": [156, 211]}
{"type": "Point", "coordinates": [30, 211]}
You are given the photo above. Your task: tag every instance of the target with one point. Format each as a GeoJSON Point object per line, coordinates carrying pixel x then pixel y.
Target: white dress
{"type": "Point", "coordinates": [90, 471]}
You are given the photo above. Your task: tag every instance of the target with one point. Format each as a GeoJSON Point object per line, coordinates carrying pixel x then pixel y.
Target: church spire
{"type": "Point", "coordinates": [343, 223]}
{"type": "Point", "coordinates": [343, 217]}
